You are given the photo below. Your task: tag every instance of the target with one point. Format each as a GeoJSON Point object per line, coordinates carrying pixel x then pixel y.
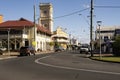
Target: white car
{"type": "Point", "coordinates": [84, 49]}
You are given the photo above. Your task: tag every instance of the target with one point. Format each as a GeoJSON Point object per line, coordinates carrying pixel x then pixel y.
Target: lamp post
{"type": "Point", "coordinates": [34, 37]}
{"type": "Point", "coordinates": [99, 24]}
{"type": "Point", "coordinates": [70, 41]}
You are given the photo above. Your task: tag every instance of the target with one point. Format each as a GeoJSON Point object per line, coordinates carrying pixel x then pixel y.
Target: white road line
{"type": "Point", "coordinates": [63, 67]}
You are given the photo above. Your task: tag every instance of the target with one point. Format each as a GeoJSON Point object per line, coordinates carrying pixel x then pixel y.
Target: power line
{"type": "Point", "coordinates": [107, 6]}
{"type": "Point", "coordinates": [71, 13]}
{"type": "Point", "coordinates": [84, 10]}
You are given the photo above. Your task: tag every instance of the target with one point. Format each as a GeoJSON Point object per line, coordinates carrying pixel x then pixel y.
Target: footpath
{"type": "Point", "coordinates": [7, 55]}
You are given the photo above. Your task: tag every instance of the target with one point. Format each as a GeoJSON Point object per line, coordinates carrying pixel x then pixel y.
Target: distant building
{"type": "Point", "coordinates": [74, 41]}
{"type": "Point", "coordinates": [60, 37]}
{"type": "Point", "coordinates": [46, 16]}
{"type": "Point", "coordinates": [1, 18]}
{"type": "Point", "coordinates": [107, 35]}
{"type": "Point", "coordinates": [117, 32]}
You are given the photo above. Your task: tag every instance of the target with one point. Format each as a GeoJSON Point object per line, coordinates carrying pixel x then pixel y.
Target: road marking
{"type": "Point", "coordinates": [63, 67]}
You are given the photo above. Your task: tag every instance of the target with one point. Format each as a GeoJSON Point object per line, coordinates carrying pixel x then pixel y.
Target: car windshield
{"type": "Point", "coordinates": [84, 46]}
{"type": "Point", "coordinates": [30, 47]}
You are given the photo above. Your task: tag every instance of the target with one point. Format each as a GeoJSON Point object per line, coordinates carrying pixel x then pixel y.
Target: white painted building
{"type": "Point", "coordinates": [106, 35]}
{"type": "Point", "coordinates": [23, 32]}
{"type": "Point", "coordinates": [106, 32]}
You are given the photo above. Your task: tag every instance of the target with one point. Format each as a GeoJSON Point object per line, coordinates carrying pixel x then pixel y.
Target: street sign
{"type": "Point", "coordinates": [34, 43]}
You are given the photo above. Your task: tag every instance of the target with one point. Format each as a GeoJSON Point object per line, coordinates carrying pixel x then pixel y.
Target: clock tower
{"type": "Point", "coordinates": [46, 16]}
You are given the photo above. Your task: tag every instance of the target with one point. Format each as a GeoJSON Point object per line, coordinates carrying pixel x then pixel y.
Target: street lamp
{"type": "Point", "coordinates": [99, 24]}
{"type": "Point", "coordinates": [70, 41]}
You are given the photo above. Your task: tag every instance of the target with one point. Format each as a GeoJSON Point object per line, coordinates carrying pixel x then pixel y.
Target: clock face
{"type": "Point", "coordinates": [45, 12]}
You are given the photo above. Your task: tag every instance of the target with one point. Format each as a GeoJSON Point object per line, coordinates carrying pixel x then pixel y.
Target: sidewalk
{"type": "Point", "coordinates": [7, 55]}
{"type": "Point", "coordinates": [103, 54]}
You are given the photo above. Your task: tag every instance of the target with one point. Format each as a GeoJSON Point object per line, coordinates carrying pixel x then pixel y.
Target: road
{"type": "Point", "coordinates": [58, 66]}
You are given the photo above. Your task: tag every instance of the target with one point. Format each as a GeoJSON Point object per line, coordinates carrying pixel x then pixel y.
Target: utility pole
{"type": "Point", "coordinates": [91, 27]}
{"type": "Point", "coordinates": [34, 42]}
{"type": "Point", "coordinates": [34, 21]}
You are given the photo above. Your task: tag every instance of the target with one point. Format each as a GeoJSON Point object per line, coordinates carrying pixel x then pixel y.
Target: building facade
{"type": "Point", "coordinates": [106, 35]}
{"type": "Point", "coordinates": [60, 37]}
{"type": "Point", "coordinates": [1, 18]}
{"type": "Point", "coordinates": [46, 16]}
{"type": "Point", "coordinates": [17, 33]}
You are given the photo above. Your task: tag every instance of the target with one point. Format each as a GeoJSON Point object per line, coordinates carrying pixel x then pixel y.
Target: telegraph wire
{"type": "Point", "coordinates": [107, 6]}
{"type": "Point", "coordinates": [84, 10]}
{"type": "Point", "coordinates": [71, 13]}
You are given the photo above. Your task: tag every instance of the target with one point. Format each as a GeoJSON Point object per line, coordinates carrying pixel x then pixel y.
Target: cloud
{"type": "Point", "coordinates": [86, 6]}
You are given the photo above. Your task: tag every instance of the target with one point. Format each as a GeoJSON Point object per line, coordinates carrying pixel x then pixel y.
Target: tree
{"type": "Point", "coordinates": [51, 45]}
{"type": "Point", "coordinates": [116, 46]}
{"type": "Point", "coordinates": [57, 44]}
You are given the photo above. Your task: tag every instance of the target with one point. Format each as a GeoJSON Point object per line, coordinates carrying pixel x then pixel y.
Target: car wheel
{"type": "Point", "coordinates": [1, 53]}
{"type": "Point", "coordinates": [33, 53]}
{"type": "Point", "coordinates": [28, 54]}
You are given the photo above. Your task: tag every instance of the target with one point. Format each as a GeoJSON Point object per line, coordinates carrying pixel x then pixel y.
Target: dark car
{"type": "Point", "coordinates": [1, 52]}
{"type": "Point", "coordinates": [27, 51]}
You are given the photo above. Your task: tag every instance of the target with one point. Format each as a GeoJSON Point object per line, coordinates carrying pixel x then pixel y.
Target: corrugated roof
{"type": "Point", "coordinates": [17, 23]}
{"type": "Point", "coordinates": [107, 28]}
{"type": "Point", "coordinates": [21, 23]}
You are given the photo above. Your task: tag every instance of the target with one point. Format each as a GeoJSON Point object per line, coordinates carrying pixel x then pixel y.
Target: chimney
{"type": "Point", "coordinates": [1, 18]}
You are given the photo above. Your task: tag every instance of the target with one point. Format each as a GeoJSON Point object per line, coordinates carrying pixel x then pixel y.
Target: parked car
{"type": "Point", "coordinates": [59, 49]}
{"type": "Point", "coordinates": [27, 51]}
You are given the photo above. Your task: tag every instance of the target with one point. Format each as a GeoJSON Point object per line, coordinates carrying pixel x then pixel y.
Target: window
{"type": "Point", "coordinates": [105, 38]}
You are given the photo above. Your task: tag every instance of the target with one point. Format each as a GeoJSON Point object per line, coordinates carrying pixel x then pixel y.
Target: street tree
{"type": "Point", "coordinates": [116, 46]}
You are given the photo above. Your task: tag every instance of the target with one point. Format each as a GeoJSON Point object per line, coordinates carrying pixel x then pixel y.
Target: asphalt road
{"type": "Point", "coordinates": [58, 66]}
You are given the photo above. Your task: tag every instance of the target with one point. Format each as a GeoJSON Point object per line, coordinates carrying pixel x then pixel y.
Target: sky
{"type": "Point", "coordinates": [76, 24]}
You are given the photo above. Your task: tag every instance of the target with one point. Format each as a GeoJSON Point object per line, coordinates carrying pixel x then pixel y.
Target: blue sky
{"type": "Point", "coordinates": [76, 24]}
